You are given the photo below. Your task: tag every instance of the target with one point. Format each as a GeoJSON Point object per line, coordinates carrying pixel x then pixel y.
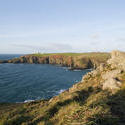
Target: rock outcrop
{"type": "Point", "coordinates": [110, 72]}
{"type": "Point", "coordinates": [117, 60]}
{"type": "Point", "coordinates": [111, 80]}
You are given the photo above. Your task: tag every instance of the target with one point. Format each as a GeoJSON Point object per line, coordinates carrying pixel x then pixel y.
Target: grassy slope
{"type": "Point", "coordinates": [84, 104]}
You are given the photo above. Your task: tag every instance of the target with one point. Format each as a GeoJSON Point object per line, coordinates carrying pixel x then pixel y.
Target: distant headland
{"type": "Point", "coordinates": [71, 60]}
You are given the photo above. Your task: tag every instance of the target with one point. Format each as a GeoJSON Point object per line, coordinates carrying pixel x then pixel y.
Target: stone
{"type": "Point", "coordinates": [111, 81]}
{"type": "Point", "coordinates": [111, 74]}
{"type": "Point", "coordinates": [111, 84]}
{"type": "Point", "coordinates": [102, 67]}
{"type": "Point", "coordinates": [117, 60]}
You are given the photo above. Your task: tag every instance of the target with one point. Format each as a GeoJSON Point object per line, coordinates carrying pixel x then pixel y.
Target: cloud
{"type": "Point", "coordinates": [4, 36]}
{"type": "Point", "coordinates": [53, 47]}
{"type": "Point", "coordinates": [13, 36]}
{"type": "Point", "coordinates": [120, 39]}
{"type": "Point", "coordinates": [64, 47]}
{"type": "Point", "coordinates": [53, 31]}
{"type": "Point", "coordinates": [95, 36]}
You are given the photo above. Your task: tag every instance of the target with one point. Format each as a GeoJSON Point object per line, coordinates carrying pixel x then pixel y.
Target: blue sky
{"type": "Point", "coordinates": [28, 26]}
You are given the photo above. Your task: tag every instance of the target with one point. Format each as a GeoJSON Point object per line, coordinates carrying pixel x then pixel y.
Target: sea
{"type": "Point", "coordinates": [28, 82]}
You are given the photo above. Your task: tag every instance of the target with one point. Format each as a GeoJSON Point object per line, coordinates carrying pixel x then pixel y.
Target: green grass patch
{"type": "Point", "coordinates": [91, 54]}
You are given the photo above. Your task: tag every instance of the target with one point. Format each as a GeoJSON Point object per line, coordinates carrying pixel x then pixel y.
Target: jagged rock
{"type": "Point", "coordinates": [102, 67]}
{"type": "Point", "coordinates": [117, 60]}
{"type": "Point", "coordinates": [111, 84]}
{"type": "Point", "coordinates": [95, 72]}
{"type": "Point", "coordinates": [91, 74]}
{"type": "Point", "coordinates": [111, 81]}
{"type": "Point", "coordinates": [111, 74]}
{"type": "Point", "coordinates": [74, 87]}
{"type": "Point", "coordinates": [110, 77]}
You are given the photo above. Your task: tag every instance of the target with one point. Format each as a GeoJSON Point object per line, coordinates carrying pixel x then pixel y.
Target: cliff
{"type": "Point", "coordinates": [72, 60]}
{"type": "Point", "coordinates": [99, 99]}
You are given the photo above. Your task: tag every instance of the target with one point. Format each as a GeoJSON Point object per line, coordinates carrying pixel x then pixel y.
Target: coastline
{"type": "Point", "coordinates": [98, 99]}
{"type": "Point", "coordinates": [77, 61]}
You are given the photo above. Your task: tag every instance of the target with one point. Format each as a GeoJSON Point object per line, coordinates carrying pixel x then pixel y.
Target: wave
{"type": "Point", "coordinates": [76, 80]}
{"type": "Point", "coordinates": [77, 70]}
{"type": "Point", "coordinates": [29, 100]}
{"type": "Point", "coordinates": [61, 90]}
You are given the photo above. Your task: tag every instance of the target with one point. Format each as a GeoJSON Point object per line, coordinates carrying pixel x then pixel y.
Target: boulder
{"type": "Point", "coordinates": [111, 74]}
{"type": "Point", "coordinates": [111, 81]}
{"type": "Point", "coordinates": [112, 84]}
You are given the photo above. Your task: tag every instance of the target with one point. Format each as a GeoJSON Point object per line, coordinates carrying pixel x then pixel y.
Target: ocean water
{"type": "Point", "coordinates": [26, 82]}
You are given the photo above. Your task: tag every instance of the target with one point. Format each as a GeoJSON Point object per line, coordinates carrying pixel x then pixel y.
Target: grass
{"type": "Point", "coordinates": [72, 54]}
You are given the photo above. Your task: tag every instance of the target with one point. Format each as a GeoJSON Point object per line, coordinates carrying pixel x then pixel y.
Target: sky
{"type": "Point", "coordinates": [52, 26]}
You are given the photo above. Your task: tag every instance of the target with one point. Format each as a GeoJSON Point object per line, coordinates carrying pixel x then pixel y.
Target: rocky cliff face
{"type": "Point", "coordinates": [74, 62]}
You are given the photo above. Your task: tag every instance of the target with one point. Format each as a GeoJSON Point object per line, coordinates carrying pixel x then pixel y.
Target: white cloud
{"type": "Point", "coordinates": [95, 36]}
{"type": "Point", "coordinates": [53, 47]}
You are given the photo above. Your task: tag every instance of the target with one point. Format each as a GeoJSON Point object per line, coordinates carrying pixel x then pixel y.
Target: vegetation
{"type": "Point", "coordinates": [84, 104]}
{"type": "Point", "coordinates": [90, 54]}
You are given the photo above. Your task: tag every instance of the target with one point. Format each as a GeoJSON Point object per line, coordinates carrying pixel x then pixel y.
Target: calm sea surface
{"type": "Point", "coordinates": [25, 82]}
